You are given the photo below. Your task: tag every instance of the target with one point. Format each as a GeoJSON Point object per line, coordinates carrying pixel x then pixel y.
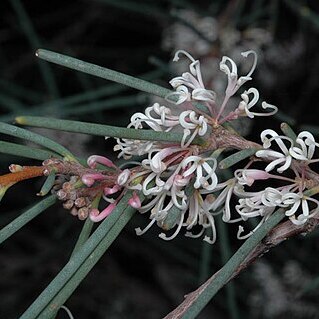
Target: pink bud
{"type": "Point", "coordinates": [248, 176]}
{"type": "Point", "coordinates": [96, 216]}
{"type": "Point", "coordinates": [93, 160]}
{"type": "Point", "coordinates": [135, 201]}
{"type": "Point", "coordinates": [89, 179]}
{"type": "Point", "coordinates": [110, 191]}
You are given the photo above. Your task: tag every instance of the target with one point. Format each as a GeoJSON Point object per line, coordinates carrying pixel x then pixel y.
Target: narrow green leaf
{"type": "Point", "coordinates": [78, 276]}
{"type": "Point", "coordinates": [101, 130]}
{"type": "Point", "coordinates": [109, 74]}
{"type": "Point", "coordinates": [236, 157]}
{"type": "Point", "coordinates": [48, 184]}
{"type": "Point", "coordinates": [102, 72]}
{"type": "Point", "coordinates": [35, 138]}
{"type": "Point", "coordinates": [225, 273]}
{"type": "Point", "coordinates": [84, 235]}
{"type": "Point", "coordinates": [102, 237]}
{"type": "Point", "coordinates": [26, 217]}
{"type": "Point", "coordinates": [26, 151]}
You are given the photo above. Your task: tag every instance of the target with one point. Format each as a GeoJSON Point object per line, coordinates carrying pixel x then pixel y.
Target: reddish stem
{"type": "Point", "coordinates": [26, 173]}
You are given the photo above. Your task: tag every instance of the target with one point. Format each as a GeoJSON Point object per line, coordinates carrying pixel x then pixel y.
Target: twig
{"type": "Point", "coordinates": [276, 236]}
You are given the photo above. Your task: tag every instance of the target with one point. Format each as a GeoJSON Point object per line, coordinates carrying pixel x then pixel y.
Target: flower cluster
{"type": "Point", "coordinates": [288, 155]}
{"type": "Point", "coordinates": [180, 183]}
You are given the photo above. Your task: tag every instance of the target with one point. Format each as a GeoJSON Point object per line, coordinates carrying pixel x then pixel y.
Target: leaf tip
{"type": "Point", "coordinates": [20, 120]}
{"type": "Point", "coordinates": [38, 53]}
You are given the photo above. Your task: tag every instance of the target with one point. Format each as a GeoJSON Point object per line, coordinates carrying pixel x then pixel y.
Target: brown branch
{"type": "Point", "coordinates": [276, 236]}
{"type": "Point", "coordinates": [26, 173]}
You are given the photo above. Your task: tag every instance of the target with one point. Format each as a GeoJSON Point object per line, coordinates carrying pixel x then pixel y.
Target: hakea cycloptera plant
{"type": "Point", "coordinates": [180, 182]}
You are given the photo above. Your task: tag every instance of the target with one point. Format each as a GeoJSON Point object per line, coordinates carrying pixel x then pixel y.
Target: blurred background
{"type": "Point", "coordinates": [145, 277]}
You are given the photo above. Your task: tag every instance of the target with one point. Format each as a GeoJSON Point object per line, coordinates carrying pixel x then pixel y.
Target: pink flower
{"type": "Point", "coordinates": [135, 201]}
{"type": "Point", "coordinates": [96, 216]}
{"type": "Point", "coordinates": [89, 179]}
{"type": "Point", "coordinates": [93, 160]}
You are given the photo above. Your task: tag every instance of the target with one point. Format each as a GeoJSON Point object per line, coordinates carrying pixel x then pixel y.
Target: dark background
{"type": "Point", "coordinates": [145, 277]}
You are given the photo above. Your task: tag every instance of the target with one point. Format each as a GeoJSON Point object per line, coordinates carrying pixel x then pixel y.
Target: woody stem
{"type": "Point", "coordinates": [26, 173]}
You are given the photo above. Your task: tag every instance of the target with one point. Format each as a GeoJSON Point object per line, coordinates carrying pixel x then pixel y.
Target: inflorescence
{"type": "Point", "coordinates": [181, 183]}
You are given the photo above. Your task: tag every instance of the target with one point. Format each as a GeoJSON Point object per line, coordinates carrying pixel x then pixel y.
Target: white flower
{"type": "Point", "coordinates": [223, 198]}
{"type": "Point", "coordinates": [152, 184]}
{"type": "Point", "coordinates": [203, 169]}
{"type": "Point", "coordinates": [128, 147]}
{"type": "Point", "coordinates": [199, 215]}
{"type": "Point", "coordinates": [157, 117]}
{"type": "Point", "coordinates": [272, 197]}
{"type": "Point", "coordinates": [252, 207]}
{"type": "Point", "coordinates": [297, 200]}
{"type": "Point", "coordinates": [233, 82]}
{"type": "Point", "coordinates": [276, 158]}
{"type": "Point", "coordinates": [245, 105]}
{"type": "Point", "coordinates": [307, 147]}
{"type": "Point", "coordinates": [158, 209]}
{"type": "Point", "coordinates": [189, 120]}
{"type": "Point", "coordinates": [181, 93]}
{"type": "Point", "coordinates": [262, 203]}
{"type": "Point", "coordinates": [157, 163]}
{"type": "Point", "coordinates": [189, 86]}
{"type": "Point", "coordinates": [168, 186]}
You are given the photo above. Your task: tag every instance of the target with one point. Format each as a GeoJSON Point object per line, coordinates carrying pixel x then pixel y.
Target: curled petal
{"type": "Point", "coordinates": [252, 69]}
{"type": "Point", "coordinates": [176, 56]}
{"type": "Point", "coordinates": [245, 104]}
{"type": "Point", "coordinates": [179, 96]}
{"type": "Point", "coordinates": [140, 232]}
{"type": "Point", "coordinates": [202, 94]}
{"type": "Point", "coordinates": [230, 72]}
{"type": "Point", "coordinates": [93, 160]}
{"type": "Point", "coordinates": [307, 145]}
{"type": "Point", "coordinates": [96, 216]}
{"type": "Point", "coordinates": [180, 224]}
{"type": "Point", "coordinates": [111, 190]}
